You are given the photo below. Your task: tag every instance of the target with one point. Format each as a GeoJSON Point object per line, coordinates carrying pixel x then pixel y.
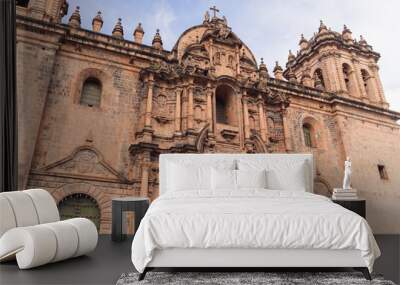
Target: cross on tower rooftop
{"type": "Point", "coordinates": [215, 11]}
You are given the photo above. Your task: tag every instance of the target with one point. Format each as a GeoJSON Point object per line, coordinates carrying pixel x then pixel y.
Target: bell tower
{"type": "Point", "coordinates": [46, 10]}
{"type": "Point", "coordinates": [336, 62]}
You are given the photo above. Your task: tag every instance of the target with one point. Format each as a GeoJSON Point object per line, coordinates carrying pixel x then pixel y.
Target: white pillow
{"type": "Point", "coordinates": [282, 174]}
{"type": "Point", "coordinates": [182, 177]}
{"type": "Point", "coordinates": [223, 179]}
{"type": "Point", "coordinates": [251, 178]}
{"type": "Point", "coordinates": [293, 179]}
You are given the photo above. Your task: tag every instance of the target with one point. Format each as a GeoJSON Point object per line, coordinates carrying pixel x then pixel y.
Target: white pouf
{"type": "Point", "coordinates": [31, 232]}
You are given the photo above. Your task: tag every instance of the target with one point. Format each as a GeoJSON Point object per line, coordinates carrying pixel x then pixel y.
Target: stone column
{"type": "Point", "coordinates": [355, 92]}
{"type": "Point", "coordinates": [210, 107]}
{"type": "Point", "coordinates": [149, 102]}
{"type": "Point", "coordinates": [266, 123]}
{"type": "Point", "coordinates": [340, 84]}
{"type": "Point", "coordinates": [329, 73]}
{"type": "Point", "coordinates": [144, 187]}
{"type": "Point", "coordinates": [178, 112]}
{"type": "Point", "coordinates": [328, 81]}
{"type": "Point", "coordinates": [190, 105]}
{"type": "Point", "coordinates": [246, 117]}
{"type": "Point", "coordinates": [263, 125]}
{"type": "Point", "coordinates": [378, 84]}
{"type": "Point", "coordinates": [211, 52]}
{"type": "Point", "coordinates": [237, 50]}
{"type": "Point", "coordinates": [339, 70]}
{"type": "Point", "coordinates": [372, 82]}
{"type": "Point", "coordinates": [360, 81]}
{"type": "Point", "coordinates": [38, 9]}
{"type": "Point", "coordinates": [288, 144]}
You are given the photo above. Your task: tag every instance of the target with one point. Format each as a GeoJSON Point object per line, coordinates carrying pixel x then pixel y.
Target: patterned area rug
{"type": "Point", "coordinates": [268, 278]}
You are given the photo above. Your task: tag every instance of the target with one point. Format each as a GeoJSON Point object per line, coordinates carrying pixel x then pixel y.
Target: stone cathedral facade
{"type": "Point", "coordinates": [96, 110]}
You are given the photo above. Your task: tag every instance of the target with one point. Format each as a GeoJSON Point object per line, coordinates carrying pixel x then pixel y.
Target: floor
{"type": "Point", "coordinates": [103, 266]}
{"type": "Point", "coordinates": [110, 260]}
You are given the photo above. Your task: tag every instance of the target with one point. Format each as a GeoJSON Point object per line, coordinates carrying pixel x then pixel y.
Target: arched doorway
{"type": "Point", "coordinates": [80, 205]}
{"type": "Point", "coordinates": [225, 106]}
{"type": "Point", "coordinates": [321, 187]}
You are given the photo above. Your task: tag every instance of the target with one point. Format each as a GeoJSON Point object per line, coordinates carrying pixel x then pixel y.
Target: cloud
{"type": "Point", "coordinates": [162, 17]}
{"type": "Point", "coordinates": [393, 97]}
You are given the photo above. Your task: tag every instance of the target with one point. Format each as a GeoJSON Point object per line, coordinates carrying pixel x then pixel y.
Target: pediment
{"type": "Point", "coordinates": [84, 162]}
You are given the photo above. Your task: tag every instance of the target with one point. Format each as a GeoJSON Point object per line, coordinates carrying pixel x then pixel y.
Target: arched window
{"type": "Point", "coordinates": [308, 135]}
{"type": "Point", "coordinates": [91, 92]}
{"type": "Point", "coordinates": [367, 80]}
{"type": "Point", "coordinates": [365, 76]}
{"type": "Point", "coordinates": [220, 105]}
{"type": "Point", "coordinates": [346, 76]}
{"type": "Point", "coordinates": [80, 205]}
{"type": "Point", "coordinates": [22, 3]}
{"type": "Point", "coordinates": [225, 106]}
{"type": "Point", "coordinates": [319, 79]}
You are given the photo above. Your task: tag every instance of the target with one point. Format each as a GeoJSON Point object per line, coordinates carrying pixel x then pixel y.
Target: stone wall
{"type": "Point", "coordinates": [67, 124]}
{"type": "Point", "coordinates": [35, 63]}
{"type": "Point", "coordinates": [369, 142]}
{"type": "Point", "coordinates": [327, 151]}
{"type": "Point", "coordinates": [368, 139]}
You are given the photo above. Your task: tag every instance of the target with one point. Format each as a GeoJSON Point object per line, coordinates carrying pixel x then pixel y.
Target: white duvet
{"type": "Point", "coordinates": [253, 218]}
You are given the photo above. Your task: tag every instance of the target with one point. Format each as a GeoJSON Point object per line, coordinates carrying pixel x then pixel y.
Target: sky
{"type": "Point", "coordinates": [268, 27]}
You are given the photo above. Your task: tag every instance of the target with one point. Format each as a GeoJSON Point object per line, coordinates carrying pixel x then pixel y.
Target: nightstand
{"type": "Point", "coordinates": [357, 206]}
{"type": "Point", "coordinates": [127, 212]}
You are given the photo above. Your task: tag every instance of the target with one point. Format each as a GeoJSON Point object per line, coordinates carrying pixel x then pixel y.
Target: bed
{"type": "Point", "coordinates": [247, 210]}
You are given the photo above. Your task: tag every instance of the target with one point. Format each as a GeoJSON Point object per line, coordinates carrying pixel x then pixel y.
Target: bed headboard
{"type": "Point", "coordinates": [213, 159]}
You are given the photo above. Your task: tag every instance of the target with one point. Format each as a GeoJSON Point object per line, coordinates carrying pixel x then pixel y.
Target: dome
{"type": "Point", "coordinates": [198, 38]}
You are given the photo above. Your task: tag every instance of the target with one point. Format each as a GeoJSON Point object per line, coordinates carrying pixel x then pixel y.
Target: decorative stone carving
{"type": "Point", "coordinates": [205, 141]}
{"type": "Point", "coordinates": [161, 101]}
{"type": "Point", "coordinates": [162, 119]}
{"type": "Point", "coordinates": [262, 85]}
{"type": "Point", "coordinates": [229, 134]}
{"type": "Point", "coordinates": [206, 17]}
{"type": "Point", "coordinates": [224, 32]}
{"type": "Point", "coordinates": [85, 161]}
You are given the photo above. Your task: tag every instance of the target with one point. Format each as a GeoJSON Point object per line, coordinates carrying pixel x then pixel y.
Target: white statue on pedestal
{"type": "Point", "coordinates": [347, 174]}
